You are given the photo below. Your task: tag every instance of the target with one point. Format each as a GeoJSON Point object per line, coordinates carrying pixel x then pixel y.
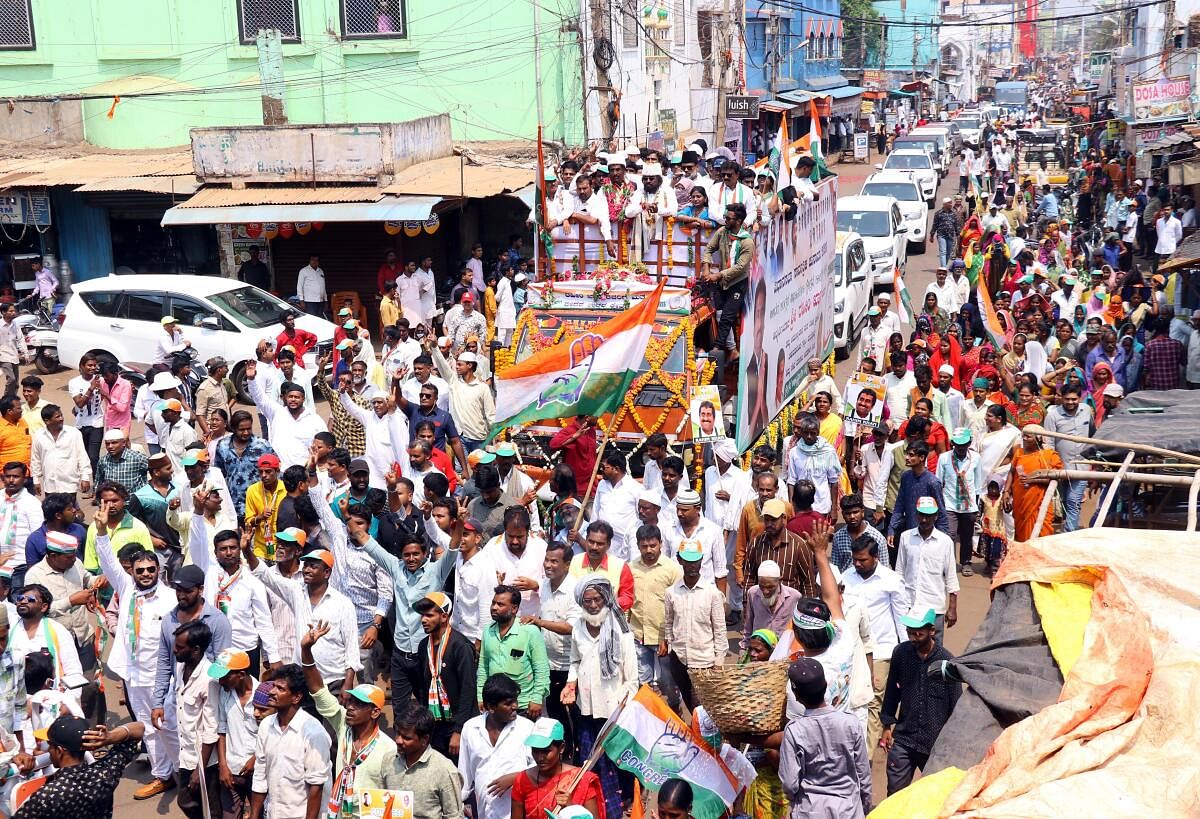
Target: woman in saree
{"type": "Point", "coordinates": [1102, 376]}
{"type": "Point", "coordinates": [832, 430]}
{"type": "Point", "coordinates": [939, 319]}
{"type": "Point", "coordinates": [1030, 409]}
{"type": "Point", "coordinates": [764, 798]}
{"type": "Point", "coordinates": [546, 787]}
{"type": "Point", "coordinates": [948, 351]}
{"type": "Point", "coordinates": [1024, 493]}
{"type": "Point", "coordinates": [996, 445]}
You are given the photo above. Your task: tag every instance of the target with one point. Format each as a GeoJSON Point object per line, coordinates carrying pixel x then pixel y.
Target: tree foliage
{"type": "Point", "coordinates": [854, 12]}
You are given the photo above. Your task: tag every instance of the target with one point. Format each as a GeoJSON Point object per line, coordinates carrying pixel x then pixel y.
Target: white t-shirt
{"type": "Point", "coordinates": [90, 414]}
{"type": "Point", "coordinates": [838, 662]}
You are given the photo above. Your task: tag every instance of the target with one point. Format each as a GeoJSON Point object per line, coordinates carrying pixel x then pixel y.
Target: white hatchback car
{"type": "Point", "coordinates": [912, 205]}
{"type": "Point", "coordinates": [119, 317]}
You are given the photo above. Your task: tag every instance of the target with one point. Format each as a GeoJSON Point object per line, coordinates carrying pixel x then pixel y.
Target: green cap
{"type": "Point", "coordinates": [506, 450]}
{"type": "Point", "coordinates": [911, 621]}
{"type": "Point", "coordinates": [487, 458]}
{"type": "Point", "coordinates": [962, 435]}
{"type": "Point", "coordinates": [690, 554]}
{"type": "Point", "coordinates": [545, 731]}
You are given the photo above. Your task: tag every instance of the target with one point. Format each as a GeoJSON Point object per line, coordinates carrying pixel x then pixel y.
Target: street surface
{"type": "Point", "coordinates": [972, 601]}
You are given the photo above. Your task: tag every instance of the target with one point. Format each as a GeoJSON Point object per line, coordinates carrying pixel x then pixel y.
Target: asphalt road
{"type": "Point", "coordinates": [972, 604]}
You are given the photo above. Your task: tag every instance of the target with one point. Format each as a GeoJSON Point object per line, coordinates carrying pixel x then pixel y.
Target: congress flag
{"type": "Point", "coordinates": [585, 375]}
{"type": "Point", "coordinates": [650, 741]}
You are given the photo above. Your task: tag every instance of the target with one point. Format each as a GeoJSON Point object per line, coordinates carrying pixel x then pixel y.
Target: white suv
{"type": "Point", "coordinates": [918, 165]}
{"type": "Point", "coordinates": [119, 317]}
{"type": "Point", "coordinates": [877, 219]}
{"type": "Point", "coordinates": [851, 274]}
{"type": "Point", "coordinates": [914, 208]}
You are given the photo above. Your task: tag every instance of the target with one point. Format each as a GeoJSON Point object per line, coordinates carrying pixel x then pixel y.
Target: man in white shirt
{"type": "Point", "coordinates": [144, 602]}
{"type": "Point", "coordinates": [698, 534]}
{"type": "Point", "coordinates": [310, 287]}
{"type": "Point", "coordinates": [291, 755]}
{"type": "Point", "coordinates": [954, 398]}
{"type": "Point", "coordinates": [558, 615]}
{"type": "Point", "coordinates": [422, 374]}
{"type": "Point", "coordinates": [336, 654]}
{"type": "Point", "coordinates": [889, 320]}
{"type": "Point", "coordinates": [993, 220]}
{"type": "Point", "coordinates": [899, 382]}
{"type": "Point", "coordinates": [728, 190]}
{"type": "Point", "coordinates": [291, 426]}
{"type": "Point", "coordinates": [874, 338]}
{"type": "Point", "coordinates": [945, 290]}
{"type": "Point", "coordinates": [386, 431]}
{"type": "Point", "coordinates": [428, 290]}
{"type": "Point", "coordinates": [471, 402]}
{"type": "Point", "coordinates": [1170, 234]}
{"type": "Point", "coordinates": [727, 489]}
{"type": "Point", "coordinates": [591, 210]}
{"type": "Point", "coordinates": [58, 457]}
{"type": "Point", "coordinates": [616, 502]}
{"type": "Point", "coordinates": [925, 559]}
{"type": "Point", "coordinates": [170, 340]}
{"type": "Point", "coordinates": [694, 632]}
{"type": "Point", "coordinates": [1066, 297]}
{"type": "Point", "coordinates": [85, 393]}
{"type": "Point", "coordinates": [483, 761]}
{"type": "Point", "coordinates": [20, 514]}
{"type": "Point", "coordinates": [400, 350]}
{"type": "Point", "coordinates": [518, 558]}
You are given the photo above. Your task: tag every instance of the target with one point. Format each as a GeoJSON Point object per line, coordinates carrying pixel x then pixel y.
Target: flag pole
{"type": "Point", "coordinates": [597, 746]}
{"type": "Point", "coordinates": [595, 469]}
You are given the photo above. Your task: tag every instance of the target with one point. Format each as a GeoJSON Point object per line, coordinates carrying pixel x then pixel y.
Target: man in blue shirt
{"type": "Point", "coordinates": [426, 409]}
{"type": "Point", "coordinates": [917, 482]}
{"type": "Point", "coordinates": [1049, 203]}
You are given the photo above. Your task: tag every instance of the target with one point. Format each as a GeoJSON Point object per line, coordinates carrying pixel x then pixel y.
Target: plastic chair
{"type": "Point", "coordinates": [356, 305]}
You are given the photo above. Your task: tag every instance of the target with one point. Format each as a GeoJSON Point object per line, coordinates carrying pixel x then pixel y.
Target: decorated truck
{"type": "Point", "coordinates": [564, 307]}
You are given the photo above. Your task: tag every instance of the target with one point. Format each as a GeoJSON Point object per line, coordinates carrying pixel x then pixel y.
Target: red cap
{"type": "Point", "coordinates": [269, 460]}
{"type": "Point", "coordinates": [467, 297]}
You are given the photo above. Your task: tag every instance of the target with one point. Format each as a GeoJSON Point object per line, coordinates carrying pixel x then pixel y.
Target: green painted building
{"type": "Point", "coordinates": [175, 65]}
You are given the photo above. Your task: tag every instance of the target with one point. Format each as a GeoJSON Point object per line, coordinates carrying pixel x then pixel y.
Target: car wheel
{"type": "Point", "coordinates": [842, 353]}
{"type": "Point", "coordinates": [46, 361]}
{"type": "Point", "coordinates": [918, 248]}
{"type": "Point", "coordinates": [239, 384]}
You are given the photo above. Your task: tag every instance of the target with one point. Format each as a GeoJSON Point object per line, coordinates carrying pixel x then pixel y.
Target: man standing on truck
{"type": "Point", "coordinates": [735, 248]}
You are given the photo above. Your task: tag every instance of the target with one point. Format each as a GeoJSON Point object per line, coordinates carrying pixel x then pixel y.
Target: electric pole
{"type": "Point", "coordinates": [723, 71]}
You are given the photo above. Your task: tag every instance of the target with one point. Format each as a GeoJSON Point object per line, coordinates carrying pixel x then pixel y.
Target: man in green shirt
{"type": "Point", "coordinates": [364, 755]}
{"type": "Point", "coordinates": [516, 650]}
{"type": "Point", "coordinates": [123, 528]}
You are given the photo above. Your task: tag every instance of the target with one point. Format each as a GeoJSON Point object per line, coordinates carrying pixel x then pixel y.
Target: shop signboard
{"type": "Point", "coordinates": [1165, 99]}
{"type": "Point", "coordinates": [741, 107]}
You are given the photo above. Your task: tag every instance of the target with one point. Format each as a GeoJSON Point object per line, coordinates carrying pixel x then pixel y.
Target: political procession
{"type": "Point", "coordinates": [702, 411]}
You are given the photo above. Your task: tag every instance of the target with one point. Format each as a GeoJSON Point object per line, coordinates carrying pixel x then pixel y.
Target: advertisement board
{"type": "Point", "coordinates": [1165, 99]}
{"type": "Point", "coordinates": [789, 311]}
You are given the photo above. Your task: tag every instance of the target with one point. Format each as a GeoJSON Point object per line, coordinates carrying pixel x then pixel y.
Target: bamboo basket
{"type": "Point", "coordinates": [744, 699]}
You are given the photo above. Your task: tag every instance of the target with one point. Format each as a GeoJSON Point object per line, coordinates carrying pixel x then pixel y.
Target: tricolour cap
{"type": "Point", "coordinates": [915, 620]}
{"type": "Point", "coordinates": [229, 660]}
{"type": "Point", "coordinates": [170, 404]}
{"type": "Point", "coordinates": [293, 534]}
{"type": "Point", "coordinates": [962, 435]}
{"type": "Point", "coordinates": [487, 457]}
{"type": "Point", "coordinates": [350, 324]}
{"type": "Point", "coordinates": [545, 731]}
{"type": "Point", "coordinates": [927, 505]}
{"type": "Point", "coordinates": [323, 555]}
{"type": "Point", "coordinates": [873, 310]}
{"type": "Point", "coordinates": [345, 311]}
{"type": "Point", "coordinates": [370, 694]}
{"type": "Point", "coordinates": [194, 456]}
{"type": "Point", "coordinates": [506, 450]}
{"type": "Point", "coordinates": [345, 344]}
{"type": "Point", "coordinates": [61, 543]}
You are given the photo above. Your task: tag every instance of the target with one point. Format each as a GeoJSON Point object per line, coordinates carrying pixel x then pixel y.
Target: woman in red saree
{"type": "Point", "coordinates": [1023, 495]}
{"type": "Point", "coordinates": [948, 351]}
{"type": "Point", "coordinates": [1102, 376]}
{"type": "Point", "coordinates": [546, 787]}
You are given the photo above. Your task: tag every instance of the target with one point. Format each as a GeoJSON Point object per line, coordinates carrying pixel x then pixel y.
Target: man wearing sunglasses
{"type": "Point", "coordinates": [144, 603]}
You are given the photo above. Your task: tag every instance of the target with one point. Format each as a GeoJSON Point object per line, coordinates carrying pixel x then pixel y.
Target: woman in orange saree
{"type": "Point", "coordinates": [1023, 495]}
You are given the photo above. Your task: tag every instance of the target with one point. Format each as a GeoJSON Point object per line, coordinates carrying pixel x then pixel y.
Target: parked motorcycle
{"type": "Point", "coordinates": [40, 330]}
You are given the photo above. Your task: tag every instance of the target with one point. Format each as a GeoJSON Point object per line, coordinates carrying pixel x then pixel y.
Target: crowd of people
{"type": "Point", "coordinates": [305, 610]}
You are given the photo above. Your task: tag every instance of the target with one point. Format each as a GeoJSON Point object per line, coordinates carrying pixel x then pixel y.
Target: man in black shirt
{"type": "Point", "coordinates": [254, 271]}
{"type": "Point", "coordinates": [924, 701]}
{"type": "Point", "coordinates": [79, 789]}
{"type": "Point", "coordinates": [447, 673]}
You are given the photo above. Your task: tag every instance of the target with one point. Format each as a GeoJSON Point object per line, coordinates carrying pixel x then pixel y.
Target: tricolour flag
{"type": "Point", "coordinates": [991, 320]}
{"type": "Point", "coordinates": [649, 740]}
{"type": "Point", "coordinates": [781, 156]}
{"type": "Point", "coordinates": [585, 375]}
{"type": "Point", "coordinates": [903, 302]}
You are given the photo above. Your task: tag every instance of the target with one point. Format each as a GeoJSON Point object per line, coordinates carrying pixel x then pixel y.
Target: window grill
{"type": "Point", "coordinates": [677, 22]}
{"type": "Point", "coordinates": [16, 25]}
{"type": "Point", "coordinates": [373, 19]}
{"type": "Point", "coordinates": [629, 24]}
{"type": "Point", "coordinates": [254, 15]}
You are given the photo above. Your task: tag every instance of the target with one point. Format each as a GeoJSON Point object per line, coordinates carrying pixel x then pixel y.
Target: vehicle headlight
{"type": "Point", "coordinates": [840, 307]}
{"type": "Point", "coordinates": [882, 254]}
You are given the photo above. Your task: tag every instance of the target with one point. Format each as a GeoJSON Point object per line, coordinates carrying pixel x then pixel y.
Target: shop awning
{"type": "Point", "coordinates": [386, 209]}
{"type": "Point", "coordinates": [1171, 141]}
{"type": "Point", "coordinates": [182, 185]}
{"type": "Point", "coordinates": [41, 171]}
{"type": "Point", "coordinates": [776, 106]}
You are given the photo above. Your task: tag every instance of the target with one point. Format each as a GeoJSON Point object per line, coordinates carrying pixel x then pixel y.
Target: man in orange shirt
{"type": "Point", "coordinates": [15, 443]}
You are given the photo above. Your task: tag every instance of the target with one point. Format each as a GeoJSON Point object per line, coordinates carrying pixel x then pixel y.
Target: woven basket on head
{"type": "Point", "coordinates": [744, 699]}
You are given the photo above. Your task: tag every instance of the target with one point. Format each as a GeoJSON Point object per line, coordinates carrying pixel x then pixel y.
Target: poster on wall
{"type": "Point", "coordinates": [789, 315]}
